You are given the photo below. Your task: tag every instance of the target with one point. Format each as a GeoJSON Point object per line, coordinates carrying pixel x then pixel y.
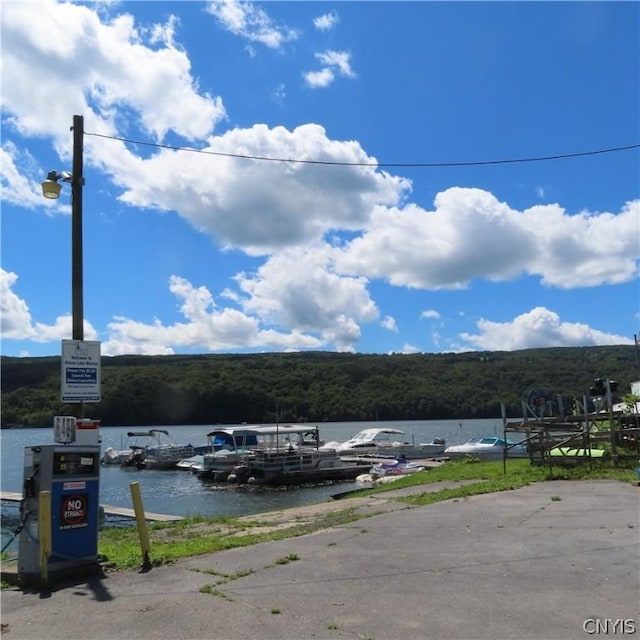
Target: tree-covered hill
{"type": "Point", "coordinates": [312, 386]}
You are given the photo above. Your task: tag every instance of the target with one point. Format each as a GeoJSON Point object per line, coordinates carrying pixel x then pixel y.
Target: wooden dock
{"type": "Point", "coordinates": [121, 512]}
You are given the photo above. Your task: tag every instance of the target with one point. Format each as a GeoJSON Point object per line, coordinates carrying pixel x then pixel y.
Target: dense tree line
{"type": "Point", "coordinates": [312, 386]}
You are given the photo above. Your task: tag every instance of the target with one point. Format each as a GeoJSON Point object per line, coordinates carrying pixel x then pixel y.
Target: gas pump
{"type": "Point", "coordinates": [70, 471]}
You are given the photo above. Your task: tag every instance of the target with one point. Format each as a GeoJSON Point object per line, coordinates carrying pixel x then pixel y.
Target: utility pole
{"type": "Point", "coordinates": [77, 184]}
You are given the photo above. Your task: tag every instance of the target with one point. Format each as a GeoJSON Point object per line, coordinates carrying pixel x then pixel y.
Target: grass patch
{"type": "Point", "coordinates": [198, 535]}
{"type": "Point", "coordinates": [520, 472]}
{"type": "Point", "coordinates": [491, 478]}
{"type": "Point", "coordinates": [292, 557]}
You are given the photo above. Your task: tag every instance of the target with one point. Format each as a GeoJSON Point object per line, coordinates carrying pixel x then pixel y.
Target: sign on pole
{"type": "Point", "coordinates": [80, 371]}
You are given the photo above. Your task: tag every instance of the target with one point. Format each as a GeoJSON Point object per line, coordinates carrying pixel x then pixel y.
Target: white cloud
{"type": "Point", "coordinates": [471, 235]}
{"type": "Point", "coordinates": [262, 206]}
{"type": "Point", "coordinates": [319, 79]}
{"type": "Point", "coordinates": [430, 314]}
{"type": "Point", "coordinates": [299, 289]}
{"type": "Point", "coordinates": [339, 60]}
{"type": "Point", "coordinates": [118, 70]}
{"type": "Point", "coordinates": [389, 323]}
{"type": "Point", "coordinates": [537, 328]}
{"type": "Point", "coordinates": [323, 304]}
{"type": "Point", "coordinates": [164, 33]}
{"type": "Point", "coordinates": [247, 20]}
{"type": "Point", "coordinates": [61, 330]}
{"type": "Point", "coordinates": [583, 250]}
{"type": "Point", "coordinates": [333, 61]}
{"type": "Point", "coordinates": [206, 328]}
{"type": "Point", "coordinates": [15, 317]}
{"type": "Point", "coordinates": [16, 322]}
{"type": "Point", "coordinates": [279, 93]}
{"type": "Point", "coordinates": [327, 21]}
{"type": "Point", "coordinates": [409, 348]}
{"type": "Point", "coordinates": [20, 180]}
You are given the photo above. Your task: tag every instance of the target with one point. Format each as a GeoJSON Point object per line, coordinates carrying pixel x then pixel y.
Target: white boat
{"type": "Point", "coordinates": [193, 463]}
{"type": "Point", "coordinates": [290, 455]}
{"type": "Point", "coordinates": [487, 448]}
{"type": "Point", "coordinates": [131, 452]}
{"type": "Point", "coordinates": [154, 449]}
{"type": "Point", "coordinates": [115, 456]}
{"type": "Point", "coordinates": [400, 467]}
{"type": "Point", "coordinates": [388, 470]}
{"type": "Point", "coordinates": [386, 442]}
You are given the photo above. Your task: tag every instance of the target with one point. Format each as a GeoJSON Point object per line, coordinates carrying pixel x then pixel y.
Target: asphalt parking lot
{"type": "Point", "coordinates": [556, 560]}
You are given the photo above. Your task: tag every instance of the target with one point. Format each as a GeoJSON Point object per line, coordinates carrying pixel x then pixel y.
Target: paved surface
{"type": "Point", "coordinates": [540, 562]}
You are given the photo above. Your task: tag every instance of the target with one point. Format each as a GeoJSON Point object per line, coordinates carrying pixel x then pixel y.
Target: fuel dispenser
{"type": "Point", "coordinates": [70, 471]}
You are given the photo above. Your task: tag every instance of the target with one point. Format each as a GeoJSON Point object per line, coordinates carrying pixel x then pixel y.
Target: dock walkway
{"type": "Point", "coordinates": [109, 510]}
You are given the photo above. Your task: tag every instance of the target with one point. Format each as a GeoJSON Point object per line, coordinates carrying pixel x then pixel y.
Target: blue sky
{"type": "Point", "coordinates": [201, 251]}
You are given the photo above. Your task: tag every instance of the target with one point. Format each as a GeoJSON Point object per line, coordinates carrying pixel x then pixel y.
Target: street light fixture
{"type": "Point", "coordinates": [51, 189]}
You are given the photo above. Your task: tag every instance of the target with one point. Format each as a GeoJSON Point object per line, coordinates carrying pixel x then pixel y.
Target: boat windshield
{"type": "Point", "coordinates": [487, 441]}
{"type": "Point", "coordinates": [229, 441]}
{"type": "Point", "coordinates": [363, 436]}
{"type": "Point", "coordinates": [371, 435]}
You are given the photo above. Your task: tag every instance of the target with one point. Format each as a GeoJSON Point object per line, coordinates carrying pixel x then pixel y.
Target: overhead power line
{"type": "Point", "coordinates": [475, 163]}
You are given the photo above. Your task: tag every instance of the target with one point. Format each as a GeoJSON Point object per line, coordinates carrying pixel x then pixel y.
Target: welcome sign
{"type": "Point", "coordinates": [80, 375]}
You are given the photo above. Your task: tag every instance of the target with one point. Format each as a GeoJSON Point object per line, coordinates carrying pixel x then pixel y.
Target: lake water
{"type": "Point", "coordinates": [178, 492]}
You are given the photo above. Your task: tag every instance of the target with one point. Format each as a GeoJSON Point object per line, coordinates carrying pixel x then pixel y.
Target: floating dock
{"type": "Point", "coordinates": [121, 512]}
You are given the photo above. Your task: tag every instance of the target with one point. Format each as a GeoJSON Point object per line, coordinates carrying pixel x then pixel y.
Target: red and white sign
{"type": "Point", "coordinates": [74, 486]}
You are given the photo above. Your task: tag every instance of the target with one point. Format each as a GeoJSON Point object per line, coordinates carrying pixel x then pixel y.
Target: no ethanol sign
{"type": "Point", "coordinates": [74, 511]}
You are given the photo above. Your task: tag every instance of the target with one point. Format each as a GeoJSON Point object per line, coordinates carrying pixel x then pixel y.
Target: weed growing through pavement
{"type": "Point", "coordinates": [211, 589]}
{"type": "Point", "coordinates": [292, 557]}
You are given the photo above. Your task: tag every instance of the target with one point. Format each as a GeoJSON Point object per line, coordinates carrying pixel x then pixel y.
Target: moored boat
{"type": "Point", "coordinates": [232, 446]}
{"type": "Point", "coordinates": [386, 442]}
{"type": "Point", "coordinates": [399, 467]}
{"type": "Point", "coordinates": [229, 448]}
{"type": "Point", "coordinates": [113, 456]}
{"type": "Point", "coordinates": [487, 448]}
{"type": "Point", "coordinates": [154, 449]}
{"type": "Point", "coordinates": [287, 455]}
{"type": "Point", "coordinates": [193, 463]}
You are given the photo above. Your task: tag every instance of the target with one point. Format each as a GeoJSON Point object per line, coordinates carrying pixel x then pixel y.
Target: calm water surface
{"type": "Point", "coordinates": [181, 493]}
